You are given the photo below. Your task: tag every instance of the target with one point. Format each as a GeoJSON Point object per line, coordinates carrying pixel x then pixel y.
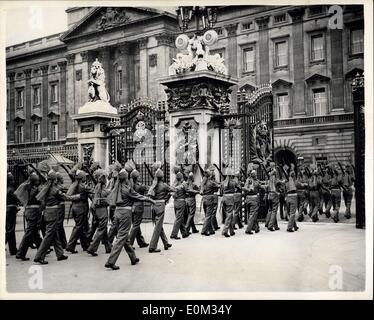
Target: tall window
{"type": "Point", "coordinates": [19, 135]}
{"type": "Point", "coordinates": [54, 92]}
{"type": "Point", "coordinates": [319, 102]}
{"type": "Point", "coordinates": [36, 132]}
{"type": "Point", "coordinates": [54, 130]}
{"type": "Point", "coordinates": [119, 81]}
{"type": "Point", "coordinates": [20, 98]}
{"type": "Point", "coordinates": [317, 48]}
{"type": "Point", "coordinates": [281, 54]}
{"type": "Point", "coordinates": [249, 60]}
{"type": "Point", "coordinates": [357, 41]}
{"type": "Point", "coordinates": [36, 95]}
{"type": "Point", "coordinates": [283, 106]}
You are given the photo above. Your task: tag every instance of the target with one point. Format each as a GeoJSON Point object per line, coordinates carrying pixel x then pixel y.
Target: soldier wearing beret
{"type": "Point", "coordinates": [79, 211]}
{"type": "Point", "coordinates": [160, 192]}
{"type": "Point", "coordinates": [51, 197]}
{"type": "Point", "coordinates": [138, 210]}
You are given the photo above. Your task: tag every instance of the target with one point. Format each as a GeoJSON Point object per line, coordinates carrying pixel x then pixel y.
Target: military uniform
{"type": "Point", "coordinates": [228, 190]}
{"type": "Point", "coordinates": [100, 206]}
{"type": "Point", "coordinates": [179, 207]}
{"type": "Point", "coordinates": [124, 197]}
{"type": "Point", "coordinates": [273, 201]}
{"type": "Point", "coordinates": [61, 214]}
{"type": "Point", "coordinates": [314, 186]}
{"type": "Point", "coordinates": [326, 193]}
{"type": "Point", "coordinates": [160, 192]}
{"type": "Point", "coordinates": [348, 181]}
{"type": "Point", "coordinates": [237, 205]}
{"type": "Point", "coordinates": [12, 203]}
{"type": "Point", "coordinates": [27, 192]}
{"type": "Point", "coordinates": [138, 210]}
{"type": "Point", "coordinates": [336, 184]}
{"type": "Point", "coordinates": [291, 201]}
{"type": "Point", "coordinates": [302, 195]}
{"type": "Point", "coordinates": [209, 187]}
{"type": "Point", "coordinates": [51, 196]}
{"type": "Point", "coordinates": [193, 189]}
{"type": "Point", "coordinates": [252, 198]}
{"type": "Point", "coordinates": [80, 213]}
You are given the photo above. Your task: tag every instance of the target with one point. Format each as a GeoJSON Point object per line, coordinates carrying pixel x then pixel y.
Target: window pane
{"type": "Point", "coordinates": [249, 59]}
{"type": "Point", "coordinates": [319, 102]}
{"type": "Point", "coordinates": [357, 41]}
{"type": "Point", "coordinates": [283, 106]}
{"type": "Point", "coordinates": [317, 47]}
{"type": "Point", "coordinates": [281, 53]}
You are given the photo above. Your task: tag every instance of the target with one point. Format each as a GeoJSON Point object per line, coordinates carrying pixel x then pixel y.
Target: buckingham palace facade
{"type": "Point", "coordinates": [309, 64]}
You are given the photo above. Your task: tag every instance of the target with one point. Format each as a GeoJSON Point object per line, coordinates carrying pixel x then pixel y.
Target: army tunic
{"type": "Point", "coordinates": [228, 191]}
{"type": "Point", "coordinates": [179, 209]}
{"type": "Point", "coordinates": [161, 196]}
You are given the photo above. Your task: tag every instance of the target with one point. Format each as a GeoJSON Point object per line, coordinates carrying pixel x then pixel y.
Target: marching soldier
{"type": "Point", "coordinates": [138, 210]}
{"type": "Point", "coordinates": [336, 184]}
{"type": "Point", "coordinates": [302, 194]}
{"type": "Point", "coordinates": [160, 193]}
{"type": "Point", "coordinates": [291, 200]}
{"type": "Point", "coordinates": [273, 198]}
{"type": "Point", "coordinates": [123, 197]}
{"type": "Point", "coordinates": [348, 181]}
{"type": "Point", "coordinates": [252, 188]}
{"type": "Point", "coordinates": [228, 189]}
{"type": "Point", "coordinates": [100, 209]}
{"type": "Point", "coordinates": [12, 203]}
{"type": "Point", "coordinates": [325, 191]}
{"type": "Point", "coordinates": [193, 189]}
{"type": "Point", "coordinates": [26, 193]}
{"type": "Point", "coordinates": [314, 185]}
{"type": "Point", "coordinates": [215, 226]}
{"type": "Point", "coordinates": [61, 214]}
{"type": "Point", "coordinates": [208, 188]}
{"type": "Point", "coordinates": [79, 211]}
{"type": "Point", "coordinates": [179, 207]}
{"type": "Point", "coordinates": [237, 203]}
{"type": "Point", "coordinates": [51, 197]}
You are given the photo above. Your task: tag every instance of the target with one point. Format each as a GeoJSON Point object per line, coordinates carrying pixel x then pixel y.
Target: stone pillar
{"type": "Point", "coordinates": [63, 122]}
{"type": "Point", "coordinates": [70, 95]}
{"type": "Point", "coordinates": [44, 111]}
{"type": "Point", "coordinates": [12, 106]}
{"type": "Point", "coordinates": [232, 58]}
{"type": "Point", "coordinates": [105, 62]}
{"type": "Point", "coordinates": [299, 99]}
{"type": "Point", "coordinates": [263, 47]}
{"type": "Point", "coordinates": [337, 77]}
{"type": "Point", "coordinates": [28, 105]}
{"type": "Point", "coordinates": [143, 74]}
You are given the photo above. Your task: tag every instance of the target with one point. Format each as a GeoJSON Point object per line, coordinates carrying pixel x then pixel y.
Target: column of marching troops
{"type": "Point", "coordinates": [118, 196]}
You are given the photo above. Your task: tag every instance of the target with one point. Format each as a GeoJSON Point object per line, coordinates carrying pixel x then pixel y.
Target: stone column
{"type": "Point", "coordinates": [337, 77]}
{"type": "Point", "coordinates": [28, 105]}
{"type": "Point", "coordinates": [105, 60]}
{"type": "Point", "coordinates": [143, 74]}
{"type": "Point", "coordinates": [263, 47]}
{"type": "Point", "coordinates": [12, 106]}
{"type": "Point", "coordinates": [232, 58]}
{"type": "Point", "coordinates": [299, 99]}
{"type": "Point", "coordinates": [70, 94]}
{"type": "Point", "coordinates": [44, 111]}
{"type": "Point", "coordinates": [126, 67]}
{"type": "Point", "coordinates": [63, 122]}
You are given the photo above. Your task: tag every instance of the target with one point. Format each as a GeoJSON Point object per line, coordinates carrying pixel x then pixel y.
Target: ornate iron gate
{"type": "Point", "coordinates": [247, 136]}
{"type": "Point", "coordinates": [141, 136]}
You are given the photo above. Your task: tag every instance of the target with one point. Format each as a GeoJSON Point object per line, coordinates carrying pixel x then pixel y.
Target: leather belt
{"type": "Point", "coordinates": [53, 207]}
{"type": "Point", "coordinates": [31, 206]}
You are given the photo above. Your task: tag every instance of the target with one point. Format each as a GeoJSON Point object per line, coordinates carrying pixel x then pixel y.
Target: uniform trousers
{"type": "Point", "coordinates": [228, 209]}
{"type": "Point", "coordinates": [10, 228]}
{"type": "Point", "coordinates": [158, 231]}
{"type": "Point", "coordinates": [136, 232]}
{"type": "Point", "coordinates": [252, 204]}
{"type": "Point", "coordinates": [179, 209]}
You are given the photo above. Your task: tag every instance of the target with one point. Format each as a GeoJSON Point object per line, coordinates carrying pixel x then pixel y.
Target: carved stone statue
{"type": "Point", "coordinates": [96, 83]}
{"type": "Point", "coordinates": [197, 57]}
{"type": "Point", "coordinates": [262, 142]}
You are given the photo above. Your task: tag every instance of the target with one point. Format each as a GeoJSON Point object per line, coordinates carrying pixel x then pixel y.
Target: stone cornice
{"type": "Point", "coordinates": [231, 29]}
{"type": "Point", "coordinates": [262, 22]}
{"type": "Point", "coordinates": [297, 14]}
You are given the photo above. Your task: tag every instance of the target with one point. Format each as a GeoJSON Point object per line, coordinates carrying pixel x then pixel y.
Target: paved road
{"type": "Point", "coordinates": [268, 261]}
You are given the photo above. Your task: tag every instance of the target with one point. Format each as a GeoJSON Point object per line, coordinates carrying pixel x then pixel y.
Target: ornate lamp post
{"type": "Point", "coordinates": [358, 93]}
{"type": "Point", "coordinates": [204, 18]}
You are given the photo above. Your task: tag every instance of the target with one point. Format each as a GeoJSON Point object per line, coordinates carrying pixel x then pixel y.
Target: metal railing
{"type": "Point", "coordinates": [346, 117]}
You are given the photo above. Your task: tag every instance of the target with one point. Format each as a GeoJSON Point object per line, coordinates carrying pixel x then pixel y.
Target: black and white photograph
{"type": "Point", "coordinates": [166, 150]}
